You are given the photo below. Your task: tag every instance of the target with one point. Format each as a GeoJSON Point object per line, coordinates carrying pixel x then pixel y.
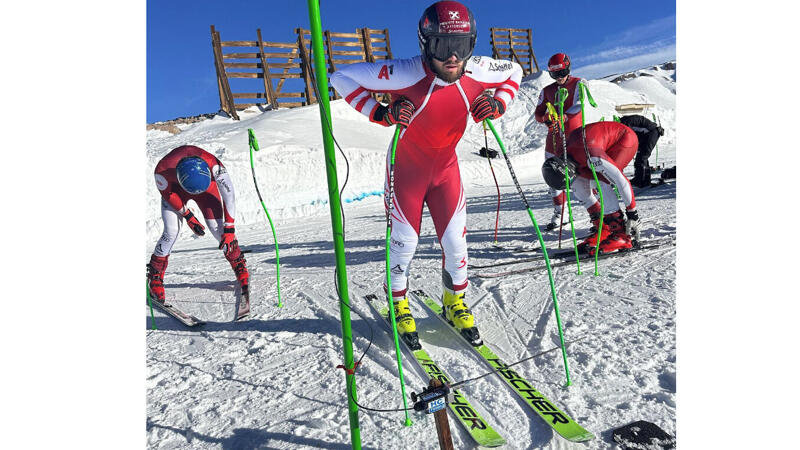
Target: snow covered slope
{"type": "Point", "coordinates": [271, 381]}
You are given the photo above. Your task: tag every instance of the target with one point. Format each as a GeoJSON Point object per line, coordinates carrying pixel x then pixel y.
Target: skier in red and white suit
{"type": "Point", "coordinates": [436, 95]}
{"type": "Point", "coordinates": [558, 67]}
{"type": "Point", "coordinates": [611, 146]}
{"type": "Point", "coordinates": [191, 173]}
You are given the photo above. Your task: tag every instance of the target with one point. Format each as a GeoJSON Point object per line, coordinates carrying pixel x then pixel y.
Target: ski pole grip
{"type": "Point", "coordinates": [251, 139]}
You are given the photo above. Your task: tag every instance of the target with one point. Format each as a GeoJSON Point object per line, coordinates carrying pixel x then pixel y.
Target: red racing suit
{"type": "Point", "coordinates": [426, 166]}
{"type": "Point", "coordinates": [216, 203]}
{"type": "Point", "coordinates": [611, 146]}
{"type": "Point", "coordinates": [572, 121]}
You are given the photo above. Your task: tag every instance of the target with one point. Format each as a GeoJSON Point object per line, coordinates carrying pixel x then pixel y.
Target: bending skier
{"type": "Point", "coordinates": [558, 68]}
{"type": "Point", "coordinates": [191, 173]}
{"type": "Point", "coordinates": [435, 96]}
{"type": "Point", "coordinates": [648, 133]}
{"type": "Point", "coordinates": [611, 146]}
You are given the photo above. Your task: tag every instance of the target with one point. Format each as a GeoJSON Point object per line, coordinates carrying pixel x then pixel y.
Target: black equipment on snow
{"type": "Point", "coordinates": [488, 152]}
{"type": "Point", "coordinates": [553, 171]}
{"type": "Point", "coordinates": [447, 28]}
{"type": "Point", "coordinates": [432, 398]}
{"type": "Point", "coordinates": [643, 435]}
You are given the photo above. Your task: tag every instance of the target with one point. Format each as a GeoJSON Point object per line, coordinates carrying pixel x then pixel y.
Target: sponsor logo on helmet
{"type": "Point", "coordinates": [553, 67]}
{"type": "Point", "coordinates": [453, 15]}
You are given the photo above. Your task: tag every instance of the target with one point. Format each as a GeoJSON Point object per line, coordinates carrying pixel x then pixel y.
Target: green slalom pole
{"type": "Point", "coordinates": [150, 301]}
{"type": "Point", "coordinates": [561, 95]}
{"type": "Point", "coordinates": [395, 335]}
{"type": "Point", "coordinates": [320, 70]}
{"type": "Point", "coordinates": [253, 143]}
{"type": "Point", "coordinates": [581, 96]}
{"type": "Point", "coordinates": [541, 244]}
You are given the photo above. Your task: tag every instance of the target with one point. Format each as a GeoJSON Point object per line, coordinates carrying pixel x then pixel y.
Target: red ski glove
{"type": "Point", "coordinates": [486, 107]}
{"type": "Point", "coordinates": [398, 113]}
{"type": "Point", "coordinates": [228, 242]}
{"type": "Point", "coordinates": [194, 224]}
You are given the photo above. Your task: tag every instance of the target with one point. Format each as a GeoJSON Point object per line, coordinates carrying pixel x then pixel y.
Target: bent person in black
{"type": "Point", "coordinates": [648, 133]}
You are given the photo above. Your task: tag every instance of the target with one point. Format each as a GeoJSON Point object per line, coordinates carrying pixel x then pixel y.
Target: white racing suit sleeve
{"type": "Point", "coordinates": [503, 76]}
{"type": "Point", "coordinates": [355, 82]}
{"type": "Point", "coordinates": [225, 186]}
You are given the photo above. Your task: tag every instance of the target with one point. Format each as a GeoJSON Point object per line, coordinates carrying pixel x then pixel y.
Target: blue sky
{"type": "Point", "coordinates": [601, 38]}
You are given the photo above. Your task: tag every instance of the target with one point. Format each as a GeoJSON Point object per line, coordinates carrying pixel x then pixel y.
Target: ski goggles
{"type": "Point", "coordinates": [556, 74]}
{"type": "Point", "coordinates": [442, 47]}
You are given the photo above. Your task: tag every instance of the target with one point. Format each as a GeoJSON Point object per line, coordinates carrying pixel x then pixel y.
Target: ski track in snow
{"type": "Point", "coordinates": [271, 382]}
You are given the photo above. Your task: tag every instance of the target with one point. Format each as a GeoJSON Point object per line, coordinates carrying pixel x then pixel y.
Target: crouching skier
{"type": "Point", "coordinates": [611, 146]}
{"type": "Point", "coordinates": [434, 97]}
{"type": "Point", "coordinates": [191, 173]}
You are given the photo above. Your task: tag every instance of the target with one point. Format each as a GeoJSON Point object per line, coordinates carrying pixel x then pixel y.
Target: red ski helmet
{"type": "Point", "coordinates": [558, 65]}
{"type": "Point", "coordinates": [447, 28]}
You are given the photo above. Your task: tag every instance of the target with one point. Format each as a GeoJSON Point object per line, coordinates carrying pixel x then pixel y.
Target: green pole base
{"type": "Point", "coordinates": [408, 422]}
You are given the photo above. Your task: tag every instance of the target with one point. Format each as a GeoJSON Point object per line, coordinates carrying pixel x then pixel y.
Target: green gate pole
{"type": "Point", "coordinates": [561, 97]}
{"type": "Point", "coordinates": [320, 70]}
{"type": "Point", "coordinates": [253, 144]}
{"type": "Point", "coordinates": [389, 298]}
{"type": "Point", "coordinates": [541, 244]}
{"type": "Point", "coordinates": [594, 173]}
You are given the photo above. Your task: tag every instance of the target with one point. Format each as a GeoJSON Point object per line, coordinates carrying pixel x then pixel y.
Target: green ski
{"type": "Point", "coordinates": [477, 427]}
{"type": "Point", "coordinates": [557, 419]}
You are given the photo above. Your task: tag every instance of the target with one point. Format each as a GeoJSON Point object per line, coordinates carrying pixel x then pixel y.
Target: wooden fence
{"type": "Point", "coordinates": [271, 64]}
{"type": "Point", "coordinates": [514, 44]}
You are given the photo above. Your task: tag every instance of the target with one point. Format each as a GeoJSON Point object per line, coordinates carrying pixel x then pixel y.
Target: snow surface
{"type": "Point", "coordinates": [271, 381]}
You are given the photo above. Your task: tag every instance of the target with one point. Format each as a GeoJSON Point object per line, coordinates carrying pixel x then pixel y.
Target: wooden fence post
{"type": "Point", "coordinates": [268, 90]}
{"type": "Point", "coordinates": [226, 98]}
{"type": "Point", "coordinates": [368, 56]}
{"type": "Point", "coordinates": [305, 66]}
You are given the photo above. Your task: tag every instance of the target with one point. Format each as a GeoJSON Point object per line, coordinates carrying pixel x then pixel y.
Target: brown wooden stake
{"type": "Point", "coordinates": [442, 424]}
{"type": "Point", "coordinates": [268, 89]}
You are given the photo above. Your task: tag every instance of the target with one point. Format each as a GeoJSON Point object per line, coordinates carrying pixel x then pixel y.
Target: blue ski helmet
{"type": "Point", "coordinates": [194, 176]}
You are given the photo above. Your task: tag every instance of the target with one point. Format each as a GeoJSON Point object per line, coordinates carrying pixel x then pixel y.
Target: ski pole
{"type": "Point", "coordinates": [150, 301]}
{"type": "Point", "coordinates": [554, 115]}
{"type": "Point", "coordinates": [390, 210]}
{"type": "Point", "coordinates": [489, 158]}
{"type": "Point", "coordinates": [253, 143]}
{"type": "Point", "coordinates": [541, 244]}
{"type": "Point", "coordinates": [658, 122]}
{"type": "Point", "coordinates": [582, 90]}
{"type": "Point", "coordinates": [562, 95]}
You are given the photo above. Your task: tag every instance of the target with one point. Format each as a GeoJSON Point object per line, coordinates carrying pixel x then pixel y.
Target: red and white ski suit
{"type": "Point", "coordinates": [216, 203]}
{"type": "Point", "coordinates": [572, 121]}
{"type": "Point", "coordinates": [426, 166]}
{"type": "Point", "coordinates": [611, 146]}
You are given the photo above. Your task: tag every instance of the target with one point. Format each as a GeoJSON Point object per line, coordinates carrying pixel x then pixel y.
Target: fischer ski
{"type": "Point", "coordinates": [172, 310]}
{"type": "Point", "coordinates": [561, 423]}
{"type": "Point", "coordinates": [481, 432]}
{"type": "Point", "coordinates": [569, 259]}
